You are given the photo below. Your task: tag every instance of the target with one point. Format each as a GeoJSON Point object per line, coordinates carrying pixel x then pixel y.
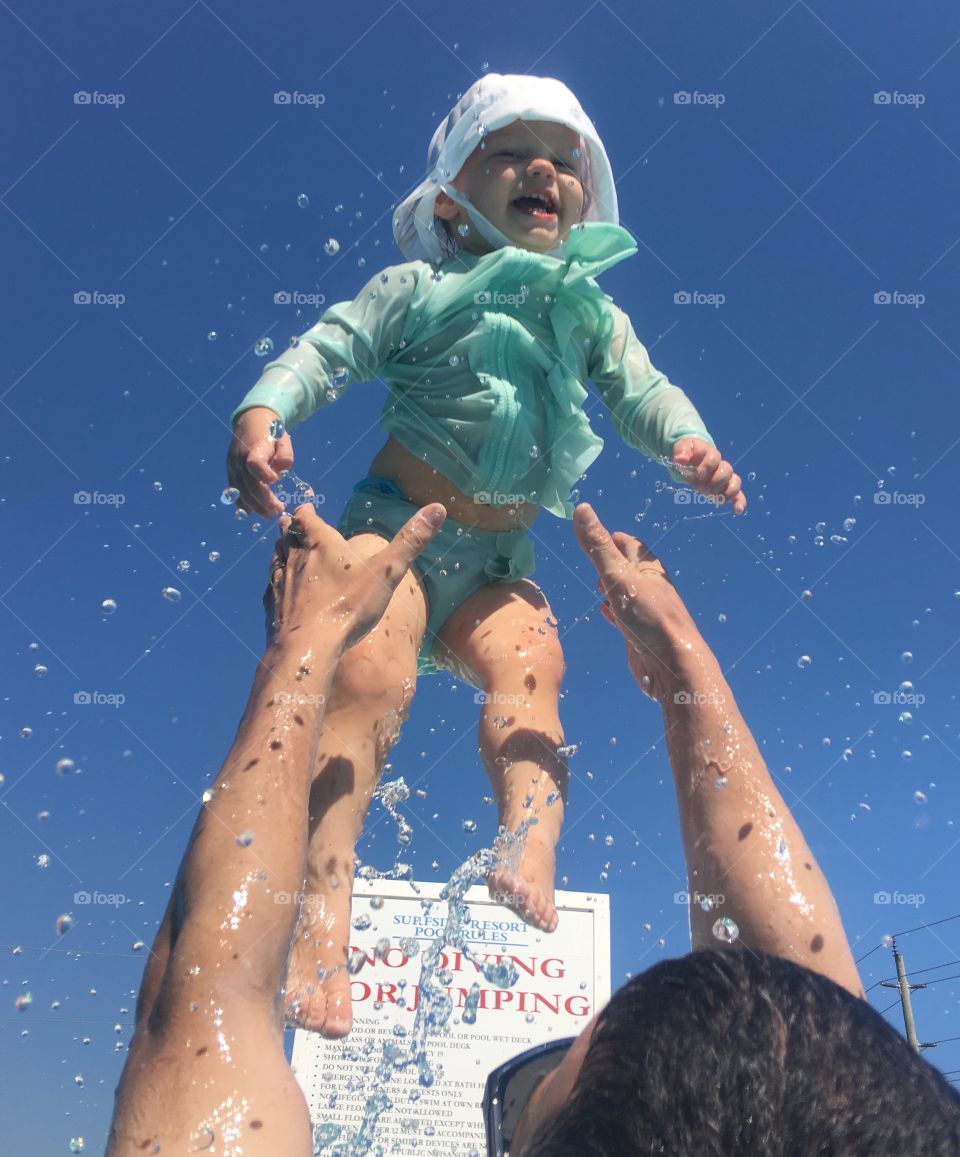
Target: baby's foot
{"type": "Point", "coordinates": [527, 888]}
{"type": "Point", "coordinates": [317, 990]}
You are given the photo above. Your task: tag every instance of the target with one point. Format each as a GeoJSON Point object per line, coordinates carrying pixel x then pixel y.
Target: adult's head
{"type": "Point", "coordinates": [724, 1053]}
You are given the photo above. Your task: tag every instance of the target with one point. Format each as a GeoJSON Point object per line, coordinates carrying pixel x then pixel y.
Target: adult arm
{"type": "Point", "coordinates": [206, 1068]}
{"type": "Point", "coordinates": [740, 840]}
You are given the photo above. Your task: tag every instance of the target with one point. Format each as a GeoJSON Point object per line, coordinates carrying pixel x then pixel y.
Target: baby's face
{"type": "Point", "coordinates": [525, 181]}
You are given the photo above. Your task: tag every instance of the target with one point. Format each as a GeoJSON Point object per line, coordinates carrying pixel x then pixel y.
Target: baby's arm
{"type": "Point", "coordinates": [349, 343]}
{"type": "Point", "coordinates": [655, 416]}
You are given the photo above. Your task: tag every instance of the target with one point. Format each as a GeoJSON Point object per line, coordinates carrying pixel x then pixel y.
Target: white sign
{"type": "Point", "coordinates": [563, 978]}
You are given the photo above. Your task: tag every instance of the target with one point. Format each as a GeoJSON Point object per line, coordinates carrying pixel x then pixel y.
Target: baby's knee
{"type": "Point", "coordinates": [535, 666]}
{"type": "Point", "coordinates": [377, 677]}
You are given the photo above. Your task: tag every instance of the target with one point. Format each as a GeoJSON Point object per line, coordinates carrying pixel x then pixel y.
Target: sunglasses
{"type": "Point", "coordinates": [509, 1088]}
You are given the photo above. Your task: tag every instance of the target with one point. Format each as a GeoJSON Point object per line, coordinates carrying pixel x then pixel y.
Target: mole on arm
{"type": "Point", "coordinates": [745, 831]}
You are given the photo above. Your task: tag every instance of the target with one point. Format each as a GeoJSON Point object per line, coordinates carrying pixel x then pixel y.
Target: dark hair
{"type": "Point", "coordinates": [737, 1054]}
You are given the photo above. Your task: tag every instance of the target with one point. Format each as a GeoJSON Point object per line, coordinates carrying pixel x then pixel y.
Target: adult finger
{"type": "Point", "coordinates": [409, 541]}
{"type": "Point", "coordinates": [596, 543]}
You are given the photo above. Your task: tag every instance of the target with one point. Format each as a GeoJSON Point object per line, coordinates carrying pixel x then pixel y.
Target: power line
{"type": "Point", "coordinates": [906, 932]}
{"type": "Point", "coordinates": [919, 972]}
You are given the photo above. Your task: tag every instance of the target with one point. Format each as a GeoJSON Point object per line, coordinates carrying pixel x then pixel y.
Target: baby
{"type": "Point", "coordinates": [485, 338]}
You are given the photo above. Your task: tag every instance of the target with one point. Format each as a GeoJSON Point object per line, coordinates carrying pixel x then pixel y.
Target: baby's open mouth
{"type": "Point", "coordinates": [541, 205]}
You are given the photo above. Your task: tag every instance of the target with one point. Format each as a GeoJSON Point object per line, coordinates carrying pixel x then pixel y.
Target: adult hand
{"type": "Point", "coordinates": [641, 600]}
{"type": "Point", "coordinates": [255, 461]}
{"type": "Point", "coordinates": [706, 471]}
{"type": "Point", "coordinates": [316, 576]}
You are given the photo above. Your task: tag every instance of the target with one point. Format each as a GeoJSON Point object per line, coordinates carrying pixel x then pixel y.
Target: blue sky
{"type": "Point", "coordinates": [815, 166]}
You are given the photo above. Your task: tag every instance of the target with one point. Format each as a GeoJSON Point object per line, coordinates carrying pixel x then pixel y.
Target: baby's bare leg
{"type": "Point", "coordinates": [503, 635]}
{"type": "Point", "coordinates": [371, 693]}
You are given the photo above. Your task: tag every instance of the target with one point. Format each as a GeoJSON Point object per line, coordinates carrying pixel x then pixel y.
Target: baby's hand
{"type": "Point", "coordinates": [706, 472]}
{"type": "Point", "coordinates": [255, 460]}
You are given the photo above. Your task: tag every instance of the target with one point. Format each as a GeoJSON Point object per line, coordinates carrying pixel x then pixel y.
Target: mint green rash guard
{"type": "Point", "coordinates": [485, 358]}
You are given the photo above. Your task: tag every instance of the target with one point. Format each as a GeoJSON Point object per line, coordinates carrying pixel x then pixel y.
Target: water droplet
{"type": "Point", "coordinates": [905, 717]}
{"type": "Point", "coordinates": [26, 732]}
{"type": "Point", "coordinates": [245, 839]}
{"type": "Point", "coordinates": [362, 922]}
{"type": "Point", "coordinates": [263, 346]}
{"type": "Point", "coordinates": [721, 618]}
{"type": "Point", "coordinates": [108, 606]}
{"type": "Point", "coordinates": [171, 594]}
{"type": "Point", "coordinates": [276, 429]}
{"type": "Point", "coordinates": [325, 1134]}
{"type": "Point", "coordinates": [64, 924]}
{"type": "Point", "coordinates": [355, 962]}
{"type": "Point", "coordinates": [158, 486]}
{"type": "Point", "coordinates": [906, 657]}
{"type": "Point", "coordinates": [608, 840]}
{"type": "Point", "coordinates": [212, 335]}
{"type": "Point", "coordinates": [806, 596]}
{"type": "Point", "coordinates": [230, 496]}
{"type": "Point", "coordinates": [303, 200]}
{"type": "Point", "coordinates": [213, 555]}
{"type": "Point", "coordinates": [569, 751]}
{"type": "Point", "coordinates": [454, 360]}
{"type": "Point", "coordinates": [331, 246]}
{"type": "Point", "coordinates": [905, 755]}
{"type": "Point", "coordinates": [464, 229]}
{"type": "Point", "coordinates": [77, 1144]}
{"type": "Point", "coordinates": [183, 565]}
{"type": "Point", "coordinates": [376, 902]}
{"type": "Point", "coordinates": [726, 929]}
{"type": "Point", "coordinates": [65, 766]}
{"type": "Point", "coordinates": [804, 661]}
{"type": "Point", "coordinates": [469, 825]}
{"type": "Point", "coordinates": [849, 524]}
{"type": "Point", "coordinates": [40, 670]}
